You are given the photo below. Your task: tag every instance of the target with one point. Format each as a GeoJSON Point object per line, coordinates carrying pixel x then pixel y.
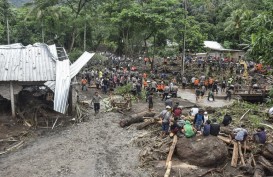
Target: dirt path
{"type": "Point", "coordinates": [97, 148]}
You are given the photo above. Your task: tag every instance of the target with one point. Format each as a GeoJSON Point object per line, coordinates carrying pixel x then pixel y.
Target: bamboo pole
{"type": "Point", "coordinates": [169, 158]}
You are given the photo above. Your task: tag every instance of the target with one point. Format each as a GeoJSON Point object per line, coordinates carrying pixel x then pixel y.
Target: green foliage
{"type": "Point", "coordinates": [126, 89]}
{"type": "Point", "coordinates": [75, 54]}
{"type": "Point", "coordinates": [128, 26]}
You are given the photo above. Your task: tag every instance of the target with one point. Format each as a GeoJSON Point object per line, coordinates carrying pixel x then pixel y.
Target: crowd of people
{"type": "Point", "coordinates": [154, 82]}
{"type": "Point", "coordinates": [173, 122]}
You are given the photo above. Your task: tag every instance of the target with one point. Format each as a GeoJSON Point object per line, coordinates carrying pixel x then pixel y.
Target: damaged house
{"type": "Point", "coordinates": [35, 74]}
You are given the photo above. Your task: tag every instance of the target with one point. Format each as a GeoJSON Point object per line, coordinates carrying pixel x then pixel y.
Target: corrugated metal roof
{"type": "Point", "coordinates": [218, 47]}
{"type": "Point", "coordinates": [27, 63]}
{"type": "Point", "coordinates": [62, 86]}
{"type": "Point", "coordinates": [74, 68]}
{"type": "Point", "coordinates": [79, 63]}
{"type": "Point", "coordinates": [64, 73]}
{"type": "Point", "coordinates": [213, 45]}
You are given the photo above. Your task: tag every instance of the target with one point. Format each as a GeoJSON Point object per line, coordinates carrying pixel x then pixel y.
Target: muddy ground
{"type": "Point", "coordinates": [96, 148]}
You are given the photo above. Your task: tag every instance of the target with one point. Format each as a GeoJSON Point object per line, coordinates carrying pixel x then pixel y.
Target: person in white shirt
{"type": "Point", "coordinates": [206, 116]}
{"type": "Point", "coordinates": [194, 111]}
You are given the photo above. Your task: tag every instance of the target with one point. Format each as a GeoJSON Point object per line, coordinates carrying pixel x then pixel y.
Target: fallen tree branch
{"type": "Point", "coordinates": [244, 115]}
{"type": "Point", "coordinates": [16, 146]}
{"type": "Point", "coordinates": [267, 125]}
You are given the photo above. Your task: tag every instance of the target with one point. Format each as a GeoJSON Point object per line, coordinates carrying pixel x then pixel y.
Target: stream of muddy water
{"type": "Point", "coordinates": [189, 94]}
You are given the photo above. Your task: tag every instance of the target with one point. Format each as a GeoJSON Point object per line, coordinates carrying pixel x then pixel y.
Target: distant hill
{"type": "Point", "coordinates": [18, 3]}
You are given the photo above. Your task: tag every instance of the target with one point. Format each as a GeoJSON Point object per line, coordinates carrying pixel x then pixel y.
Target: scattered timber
{"type": "Point", "coordinates": [136, 118]}
{"type": "Point", "coordinates": [265, 163]}
{"type": "Point", "coordinates": [168, 171]}
{"type": "Point", "coordinates": [234, 159]}
{"type": "Point", "coordinates": [169, 158]}
{"type": "Point", "coordinates": [259, 171]}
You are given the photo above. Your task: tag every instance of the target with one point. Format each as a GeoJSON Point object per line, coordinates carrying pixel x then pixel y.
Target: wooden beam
{"type": "Point", "coordinates": [169, 158]}
{"type": "Point", "coordinates": [168, 171]}
{"type": "Point", "coordinates": [12, 100]}
{"type": "Point", "coordinates": [234, 159]}
{"type": "Point", "coordinates": [241, 154]}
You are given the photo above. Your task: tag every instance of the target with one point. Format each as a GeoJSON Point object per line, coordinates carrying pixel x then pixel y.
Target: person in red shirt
{"type": "Point", "coordinates": [177, 113]}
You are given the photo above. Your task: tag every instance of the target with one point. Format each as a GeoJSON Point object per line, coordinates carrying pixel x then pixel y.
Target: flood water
{"type": "Point", "coordinates": [189, 94]}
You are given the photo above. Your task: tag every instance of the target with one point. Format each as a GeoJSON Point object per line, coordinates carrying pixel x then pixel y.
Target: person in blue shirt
{"type": "Point", "coordinates": [260, 136]}
{"type": "Point", "coordinates": [198, 120]}
{"type": "Point", "coordinates": [240, 134]}
{"type": "Point", "coordinates": [206, 128]}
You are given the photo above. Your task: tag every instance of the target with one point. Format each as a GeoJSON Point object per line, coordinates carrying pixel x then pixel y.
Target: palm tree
{"type": "Point", "coordinates": [236, 22]}
{"type": "Point", "coordinates": [43, 8]}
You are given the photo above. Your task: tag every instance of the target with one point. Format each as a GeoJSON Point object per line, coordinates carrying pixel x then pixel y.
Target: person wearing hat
{"type": "Point", "coordinates": [198, 120]}
{"type": "Point", "coordinates": [165, 116]}
{"type": "Point", "coordinates": [169, 101]}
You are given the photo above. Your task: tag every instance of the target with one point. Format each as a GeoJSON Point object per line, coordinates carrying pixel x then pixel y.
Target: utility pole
{"type": "Point", "coordinates": [184, 42]}
{"type": "Point", "coordinates": [84, 36]}
{"type": "Point", "coordinates": [8, 31]}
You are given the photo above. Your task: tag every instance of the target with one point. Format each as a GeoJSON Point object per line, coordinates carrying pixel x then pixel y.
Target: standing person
{"type": "Point", "coordinates": [138, 89]}
{"type": "Point", "coordinates": [184, 82]}
{"type": "Point", "coordinates": [198, 120]}
{"type": "Point", "coordinates": [165, 116]}
{"type": "Point", "coordinates": [166, 92]}
{"type": "Point", "coordinates": [96, 100]}
{"type": "Point", "coordinates": [214, 128]}
{"type": "Point", "coordinates": [153, 85]}
{"type": "Point", "coordinates": [210, 95]}
{"type": "Point", "coordinates": [150, 101]}
{"type": "Point", "coordinates": [169, 101]}
{"type": "Point", "coordinates": [197, 93]}
{"type": "Point", "coordinates": [228, 96]}
{"type": "Point", "coordinates": [97, 83]}
{"type": "Point", "coordinates": [223, 85]}
{"type": "Point", "coordinates": [84, 82]}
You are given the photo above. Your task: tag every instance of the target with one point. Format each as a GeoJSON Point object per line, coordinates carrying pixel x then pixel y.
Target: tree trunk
{"type": "Point", "coordinates": [72, 40]}
{"type": "Point", "coordinates": [145, 124]}
{"type": "Point", "coordinates": [268, 151]}
{"type": "Point", "coordinates": [259, 171]}
{"type": "Point", "coordinates": [266, 164]}
{"type": "Point", "coordinates": [135, 118]}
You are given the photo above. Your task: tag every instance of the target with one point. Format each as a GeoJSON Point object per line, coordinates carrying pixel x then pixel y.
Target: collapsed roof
{"type": "Point", "coordinates": [40, 63]}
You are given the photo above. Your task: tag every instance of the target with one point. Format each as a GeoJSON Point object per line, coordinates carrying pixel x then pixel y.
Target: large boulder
{"type": "Point", "coordinates": [202, 151]}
